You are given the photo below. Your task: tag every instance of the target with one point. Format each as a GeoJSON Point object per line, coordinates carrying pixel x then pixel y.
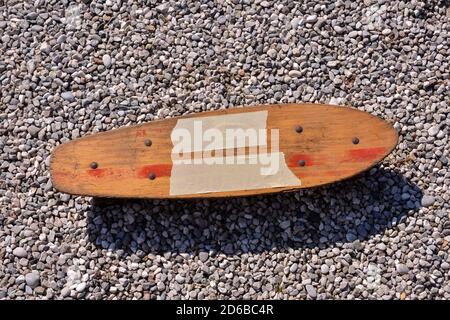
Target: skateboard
{"type": "Point", "coordinates": [231, 152]}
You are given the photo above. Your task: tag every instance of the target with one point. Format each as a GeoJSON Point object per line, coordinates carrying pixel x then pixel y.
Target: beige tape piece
{"type": "Point", "coordinates": [203, 178]}
{"type": "Point", "coordinates": [249, 120]}
{"type": "Point", "coordinates": [224, 172]}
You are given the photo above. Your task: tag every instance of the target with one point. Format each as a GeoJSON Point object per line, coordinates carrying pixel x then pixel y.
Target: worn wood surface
{"type": "Point", "coordinates": [125, 162]}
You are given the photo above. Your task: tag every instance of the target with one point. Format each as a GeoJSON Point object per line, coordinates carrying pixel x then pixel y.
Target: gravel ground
{"type": "Point", "coordinates": [70, 68]}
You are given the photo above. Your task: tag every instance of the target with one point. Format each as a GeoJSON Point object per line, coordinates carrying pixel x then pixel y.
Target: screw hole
{"type": "Point", "coordinates": [302, 163]}
{"type": "Point", "coordinates": [94, 165]}
{"type": "Point", "coordinates": [148, 142]}
{"type": "Point", "coordinates": [152, 176]}
{"type": "Point", "coordinates": [355, 140]}
{"type": "Point", "coordinates": [299, 129]}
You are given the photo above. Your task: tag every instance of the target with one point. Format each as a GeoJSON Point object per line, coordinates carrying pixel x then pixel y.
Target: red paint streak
{"type": "Point", "coordinates": [97, 173]}
{"type": "Point", "coordinates": [141, 133]}
{"type": "Point", "coordinates": [296, 157]}
{"type": "Point", "coordinates": [366, 154]}
{"type": "Point", "coordinates": [160, 170]}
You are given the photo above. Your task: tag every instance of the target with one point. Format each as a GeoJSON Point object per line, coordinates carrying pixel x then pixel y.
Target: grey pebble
{"type": "Point", "coordinates": [203, 256]}
{"type": "Point", "coordinates": [293, 268]}
{"type": "Point", "coordinates": [432, 131]}
{"type": "Point", "coordinates": [81, 287]}
{"type": "Point", "coordinates": [68, 95]}
{"type": "Point", "coordinates": [311, 291]}
{"type": "Point", "coordinates": [427, 200]}
{"type": "Point", "coordinates": [32, 279]}
{"type": "Point", "coordinates": [295, 73]}
{"type": "Point", "coordinates": [272, 53]}
{"type": "Point", "coordinates": [33, 130]}
{"type": "Point", "coordinates": [20, 252]}
{"type": "Point", "coordinates": [324, 269]}
{"type": "Point", "coordinates": [402, 268]}
{"type": "Point", "coordinates": [106, 60]}
{"type": "Point", "coordinates": [311, 19]}
{"type": "Point", "coordinates": [179, 278]}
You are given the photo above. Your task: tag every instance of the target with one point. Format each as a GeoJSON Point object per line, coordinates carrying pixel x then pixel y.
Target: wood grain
{"type": "Point", "coordinates": [125, 162]}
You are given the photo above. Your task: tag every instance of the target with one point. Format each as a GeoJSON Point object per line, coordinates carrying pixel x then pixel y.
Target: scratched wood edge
{"type": "Point", "coordinates": [211, 195]}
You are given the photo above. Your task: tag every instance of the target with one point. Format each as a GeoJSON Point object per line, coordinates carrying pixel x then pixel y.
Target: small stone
{"type": "Point", "coordinates": [272, 53]}
{"type": "Point", "coordinates": [295, 22]}
{"type": "Point", "coordinates": [161, 286]}
{"type": "Point", "coordinates": [40, 290]}
{"type": "Point", "coordinates": [106, 60]}
{"type": "Point", "coordinates": [350, 237]}
{"type": "Point", "coordinates": [324, 269]}
{"type": "Point", "coordinates": [265, 4]}
{"type": "Point", "coordinates": [162, 8]}
{"type": "Point", "coordinates": [432, 131]}
{"type": "Point", "coordinates": [33, 130]}
{"type": "Point", "coordinates": [293, 268]}
{"type": "Point", "coordinates": [294, 73]}
{"type": "Point", "coordinates": [68, 95]}
{"type": "Point", "coordinates": [311, 19]}
{"type": "Point", "coordinates": [81, 287]}
{"type": "Point", "coordinates": [285, 224]}
{"type": "Point", "coordinates": [343, 285]}
{"type": "Point", "coordinates": [179, 278]}
{"type": "Point", "coordinates": [32, 279]}
{"type": "Point", "coordinates": [65, 292]}
{"type": "Point", "coordinates": [402, 268]}
{"type": "Point", "coordinates": [311, 291]}
{"type": "Point", "coordinates": [427, 201]}
{"type": "Point", "coordinates": [339, 30]}
{"type": "Point", "coordinates": [221, 20]}
{"type": "Point", "coordinates": [335, 101]}
{"type": "Point", "coordinates": [203, 256]}
{"type": "Point", "coordinates": [386, 32]}
{"type": "Point", "coordinates": [20, 252]}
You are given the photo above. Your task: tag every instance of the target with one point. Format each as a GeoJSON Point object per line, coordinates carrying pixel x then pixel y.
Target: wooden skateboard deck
{"type": "Point", "coordinates": [232, 152]}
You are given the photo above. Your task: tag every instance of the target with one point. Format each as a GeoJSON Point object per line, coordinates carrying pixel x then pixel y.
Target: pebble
{"type": "Point", "coordinates": [68, 95]}
{"type": "Point", "coordinates": [32, 279]}
{"type": "Point", "coordinates": [339, 29]}
{"type": "Point", "coordinates": [386, 32]}
{"type": "Point", "coordinates": [311, 291]}
{"type": "Point", "coordinates": [432, 131]}
{"type": "Point", "coordinates": [311, 19]}
{"type": "Point", "coordinates": [106, 60]}
{"type": "Point", "coordinates": [293, 268]}
{"type": "Point", "coordinates": [33, 130]}
{"type": "Point", "coordinates": [203, 256]}
{"type": "Point", "coordinates": [272, 53]}
{"type": "Point", "coordinates": [179, 278]}
{"type": "Point", "coordinates": [20, 252]}
{"type": "Point", "coordinates": [402, 269]}
{"type": "Point", "coordinates": [324, 269]}
{"type": "Point", "coordinates": [81, 287]}
{"type": "Point", "coordinates": [295, 73]}
{"type": "Point", "coordinates": [427, 201]}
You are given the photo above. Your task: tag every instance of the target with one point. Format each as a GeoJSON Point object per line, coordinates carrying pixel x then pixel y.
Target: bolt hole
{"type": "Point", "coordinates": [152, 176]}
{"type": "Point", "coordinates": [355, 140]}
{"type": "Point", "coordinates": [299, 129]}
{"type": "Point", "coordinates": [302, 163]}
{"type": "Point", "coordinates": [94, 165]}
